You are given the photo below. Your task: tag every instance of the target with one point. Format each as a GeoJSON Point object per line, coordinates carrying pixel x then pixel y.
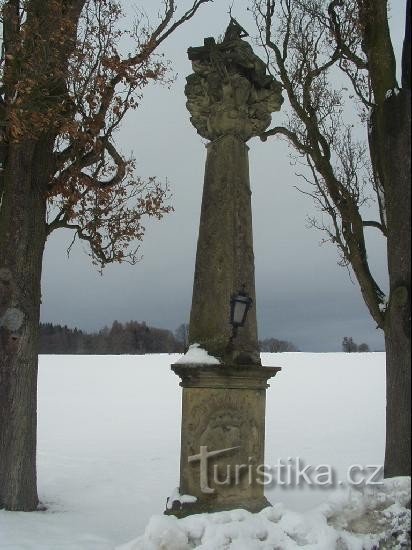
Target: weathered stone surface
{"type": "Point", "coordinates": [222, 408]}
{"type": "Point", "coordinates": [229, 91]}
{"type": "Point", "coordinates": [231, 99]}
{"type": "Point", "coordinates": [224, 260]}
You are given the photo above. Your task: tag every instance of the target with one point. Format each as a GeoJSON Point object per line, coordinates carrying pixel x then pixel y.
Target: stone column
{"type": "Point", "coordinates": [224, 261]}
{"type": "Point", "coordinates": [230, 99]}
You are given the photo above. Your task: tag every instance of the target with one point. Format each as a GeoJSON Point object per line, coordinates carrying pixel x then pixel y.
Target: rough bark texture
{"type": "Point", "coordinates": [390, 141]}
{"type": "Point", "coordinates": [34, 79]}
{"type": "Point", "coordinates": [396, 148]}
{"type": "Point", "coordinates": [22, 240]}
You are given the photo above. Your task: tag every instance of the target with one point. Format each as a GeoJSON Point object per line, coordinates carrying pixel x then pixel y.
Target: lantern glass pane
{"type": "Point", "coordinates": [239, 312]}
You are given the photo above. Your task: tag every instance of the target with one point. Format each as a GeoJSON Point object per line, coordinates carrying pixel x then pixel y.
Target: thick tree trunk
{"type": "Point", "coordinates": [32, 56]}
{"type": "Point", "coordinates": [397, 147]}
{"type": "Point", "coordinates": [390, 144]}
{"type": "Point", "coordinates": [22, 240]}
{"type": "Point", "coordinates": [398, 395]}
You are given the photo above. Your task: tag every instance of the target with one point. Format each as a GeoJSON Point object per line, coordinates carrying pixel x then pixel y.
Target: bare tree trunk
{"type": "Point", "coordinates": [28, 168]}
{"type": "Point", "coordinates": [390, 149]}
{"type": "Point", "coordinates": [397, 146]}
{"type": "Point", "coordinates": [22, 240]}
{"type": "Point", "coordinates": [390, 145]}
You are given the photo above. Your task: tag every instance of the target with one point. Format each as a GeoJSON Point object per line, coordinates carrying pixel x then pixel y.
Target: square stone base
{"type": "Point", "coordinates": [222, 437]}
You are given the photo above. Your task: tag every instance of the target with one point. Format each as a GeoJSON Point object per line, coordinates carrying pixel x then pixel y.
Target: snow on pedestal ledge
{"type": "Point", "coordinates": [361, 519]}
{"type": "Point", "coordinates": [196, 355]}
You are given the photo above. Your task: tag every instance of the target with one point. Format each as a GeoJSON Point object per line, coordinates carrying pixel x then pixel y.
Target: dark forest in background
{"type": "Point", "coordinates": [122, 338]}
{"type": "Point", "coordinates": [133, 337]}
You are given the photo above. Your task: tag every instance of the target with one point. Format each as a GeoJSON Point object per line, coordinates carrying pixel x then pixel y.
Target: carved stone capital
{"type": "Point", "coordinates": [229, 92]}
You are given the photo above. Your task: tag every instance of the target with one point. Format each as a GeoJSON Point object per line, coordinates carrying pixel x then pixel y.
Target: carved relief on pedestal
{"type": "Point", "coordinates": [228, 419]}
{"type": "Point", "coordinates": [229, 91]}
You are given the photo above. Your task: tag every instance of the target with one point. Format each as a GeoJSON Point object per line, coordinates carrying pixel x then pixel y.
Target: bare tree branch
{"type": "Point", "coordinates": [336, 162]}
{"type": "Point", "coordinates": [344, 49]}
{"type": "Point", "coordinates": [291, 136]}
{"type": "Point", "coordinates": [377, 225]}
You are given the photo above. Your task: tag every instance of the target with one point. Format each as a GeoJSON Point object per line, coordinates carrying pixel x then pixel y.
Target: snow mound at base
{"type": "Point", "coordinates": [361, 519]}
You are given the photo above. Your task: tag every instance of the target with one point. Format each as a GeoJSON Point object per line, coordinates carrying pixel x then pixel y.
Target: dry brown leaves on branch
{"type": "Point", "coordinates": [70, 82]}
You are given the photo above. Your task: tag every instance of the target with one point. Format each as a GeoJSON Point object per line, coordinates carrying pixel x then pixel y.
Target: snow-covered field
{"type": "Point", "coordinates": [109, 453]}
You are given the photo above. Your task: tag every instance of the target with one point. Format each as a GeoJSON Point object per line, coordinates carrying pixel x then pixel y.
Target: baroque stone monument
{"type": "Point", "coordinates": [230, 98]}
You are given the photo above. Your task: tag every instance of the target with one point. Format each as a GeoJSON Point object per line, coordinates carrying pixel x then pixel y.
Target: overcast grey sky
{"type": "Point", "coordinates": [302, 294]}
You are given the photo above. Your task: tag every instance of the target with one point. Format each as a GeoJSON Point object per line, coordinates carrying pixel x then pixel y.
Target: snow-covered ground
{"type": "Point", "coordinates": [358, 520]}
{"type": "Point", "coordinates": [109, 451]}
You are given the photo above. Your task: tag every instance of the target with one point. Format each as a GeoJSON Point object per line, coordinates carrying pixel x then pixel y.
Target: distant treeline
{"type": "Point", "coordinates": [132, 338]}
{"type": "Point", "coordinates": [349, 346]}
{"type": "Point", "coordinates": [273, 345]}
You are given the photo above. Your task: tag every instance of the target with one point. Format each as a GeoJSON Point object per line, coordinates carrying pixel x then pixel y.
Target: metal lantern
{"type": "Point", "coordinates": [240, 304]}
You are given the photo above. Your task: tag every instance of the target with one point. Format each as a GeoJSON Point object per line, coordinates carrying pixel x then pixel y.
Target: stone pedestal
{"type": "Point", "coordinates": [222, 439]}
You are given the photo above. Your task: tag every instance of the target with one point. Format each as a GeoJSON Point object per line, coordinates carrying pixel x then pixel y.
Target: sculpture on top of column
{"type": "Point", "coordinates": [229, 91]}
